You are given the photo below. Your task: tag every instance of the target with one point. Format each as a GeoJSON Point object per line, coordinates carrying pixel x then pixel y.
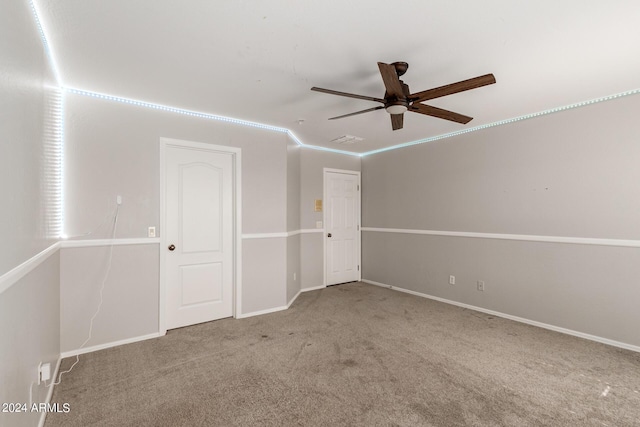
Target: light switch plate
{"type": "Point", "coordinates": [318, 224]}
{"type": "Point", "coordinates": [152, 232]}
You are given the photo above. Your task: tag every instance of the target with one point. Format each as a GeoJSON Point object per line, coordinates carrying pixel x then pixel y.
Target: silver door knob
{"type": "Point", "coordinates": [172, 247]}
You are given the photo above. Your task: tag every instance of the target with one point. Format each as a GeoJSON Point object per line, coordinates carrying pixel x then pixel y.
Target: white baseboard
{"type": "Point", "coordinates": [293, 299]}
{"type": "Point", "coordinates": [273, 310]}
{"type": "Point", "coordinates": [108, 345]}
{"type": "Point", "coordinates": [43, 415]}
{"type": "Point", "coordinates": [382, 285]}
{"type": "Point", "coordinates": [514, 318]}
{"type": "Point", "coordinates": [258, 313]}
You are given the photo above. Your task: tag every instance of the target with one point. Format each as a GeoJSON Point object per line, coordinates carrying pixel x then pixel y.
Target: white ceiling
{"type": "Point", "coordinates": [256, 60]}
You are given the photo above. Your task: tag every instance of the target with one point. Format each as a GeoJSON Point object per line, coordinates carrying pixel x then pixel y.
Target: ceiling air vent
{"type": "Point", "coordinates": [346, 139]}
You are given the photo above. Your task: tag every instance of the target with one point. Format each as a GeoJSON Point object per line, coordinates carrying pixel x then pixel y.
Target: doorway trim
{"type": "Point", "coordinates": [236, 161]}
{"type": "Point", "coordinates": [324, 220]}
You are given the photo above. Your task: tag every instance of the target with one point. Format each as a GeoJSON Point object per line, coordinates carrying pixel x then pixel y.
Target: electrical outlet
{"type": "Point", "coordinates": [452, 280]}
{"type": "Point", "coordinates": [481, 285]}
{"type": "Point", "coordinates": [119, 199]}
{"type": "Point", "coordinates": [152, 232]}
{"type": "Point", "coordinates": [44, 372]}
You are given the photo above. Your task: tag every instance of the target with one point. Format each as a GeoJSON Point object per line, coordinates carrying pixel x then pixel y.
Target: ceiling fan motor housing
{"type": "Point", "coordinates": [401, 67]}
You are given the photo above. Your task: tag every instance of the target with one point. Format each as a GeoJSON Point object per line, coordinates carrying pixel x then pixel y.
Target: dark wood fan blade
{"type": "Point", "coordinates": [452, 88]}
{"type": "Point", "coordinates": [357, 112]}
{"type": "Point", "coordinates": [397, 121]}
{"type": "Point", "coordinates": [391, 80]}
{"type": "Point", "coordinates": [439, 113]}
{"type": "Point", "coordinates": [350, 95]}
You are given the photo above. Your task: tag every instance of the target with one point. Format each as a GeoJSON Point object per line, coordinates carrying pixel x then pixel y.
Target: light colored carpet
{"type": "Point", "coordinates": [355, 355]}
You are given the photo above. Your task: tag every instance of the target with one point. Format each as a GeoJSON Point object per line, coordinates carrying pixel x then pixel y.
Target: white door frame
{"type": "Point", "coordinates": [236, 155]}
{"type": "Point", "coordinates": [324, 221]}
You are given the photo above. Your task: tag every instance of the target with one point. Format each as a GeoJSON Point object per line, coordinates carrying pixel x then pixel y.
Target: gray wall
{"type": "Point", "coordinates": [264, 274]}
{"type": "Point", "coordinates": [293, 267]}
{"type": "Point", "coordinates": [29, 306]}
{"type": "Point", "coordinates": [293, 186]}
{"type": "Point", "coordinates": [570, 174]}
{"type": "Point", "coordinates": [29, 335]}
{"type": "Point", "coordinates": [26, 128]}
{"type": "Point", "coordinates": [113, 149]}
{"type": "Point", "coordinates": [293, 220]}
{"type": "Point", "coordinates": [312, 163]}
{"type": "Point", "coordinates": [130, 297]}
{"type": "Point", "coordinates": [565, 174]}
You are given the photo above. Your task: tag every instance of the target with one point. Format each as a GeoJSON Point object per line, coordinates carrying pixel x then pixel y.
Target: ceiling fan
{"type": "Point", "coordinates": [398, 99]}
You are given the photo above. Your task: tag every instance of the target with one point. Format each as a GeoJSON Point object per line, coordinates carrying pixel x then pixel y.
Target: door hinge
{"type": "Point", "coordinates": [358, 187]}
{"type": "Point", "coordinates": [358, 268]}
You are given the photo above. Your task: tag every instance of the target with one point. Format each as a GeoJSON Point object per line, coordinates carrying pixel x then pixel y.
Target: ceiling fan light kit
{"type": "Point", "coordinates": [398, 99]}
{"type": "Point", "coordinates": [396, 108]}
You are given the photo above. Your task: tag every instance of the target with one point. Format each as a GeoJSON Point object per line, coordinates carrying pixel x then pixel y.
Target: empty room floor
{"type": "Point", "coordinates": [355, 354]}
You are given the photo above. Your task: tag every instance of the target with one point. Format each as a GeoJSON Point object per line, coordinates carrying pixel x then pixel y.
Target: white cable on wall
{"type": "Point", "coordinates": [106, 219]}
{"type": "Point", "coordinates": [102, 286]}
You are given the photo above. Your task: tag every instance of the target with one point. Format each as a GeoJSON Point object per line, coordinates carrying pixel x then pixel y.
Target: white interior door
{"type": "Point", "coordinates": [342, 226]}
{"type": "Point", "coordinates": [198, 235]}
